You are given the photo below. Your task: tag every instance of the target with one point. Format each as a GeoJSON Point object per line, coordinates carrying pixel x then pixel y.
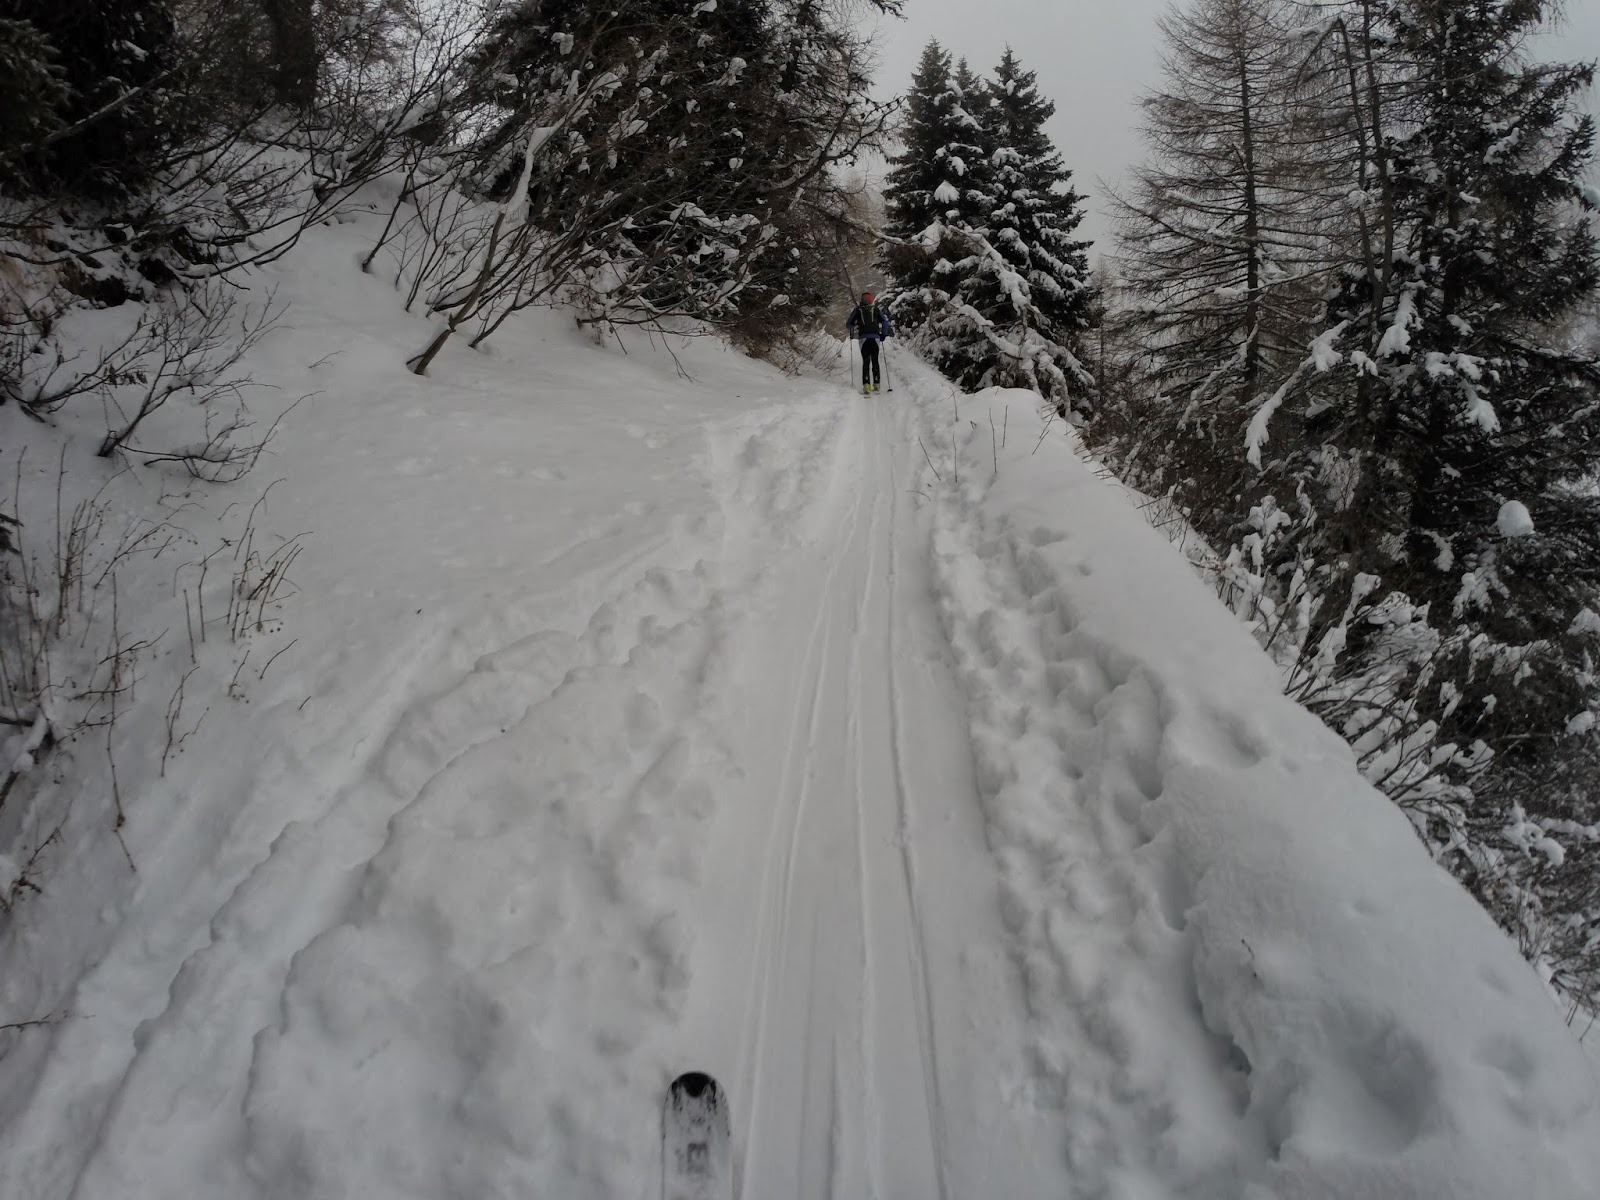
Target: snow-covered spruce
{"type": "Point", "coordinates": [986, 276]}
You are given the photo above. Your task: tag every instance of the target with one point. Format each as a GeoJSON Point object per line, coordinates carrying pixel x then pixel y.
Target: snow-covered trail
{"type": "Point", "coordinates": [655, 759]}
{"type": "Point", "coordinates": [848, 926]}
{"type": "Point", "coordinates": [879, 760]}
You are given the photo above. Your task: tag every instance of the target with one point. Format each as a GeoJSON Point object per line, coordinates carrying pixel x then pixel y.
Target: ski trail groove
{"type": "Point", "coordinates": [775, 906]}
{"type": "Point", "coordinates": [838, 1070]}
{"type": "Point", "coordinates": [848, 929]}
{"type": "Point", "coordinates": [918, 947]}
{"type": "Point", "coordinates": [778, 885]}
{"type": "Point", "coordinates": [871, 1116]}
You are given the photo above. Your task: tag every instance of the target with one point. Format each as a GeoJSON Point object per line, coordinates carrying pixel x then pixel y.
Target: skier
{"type": "Point", "coordinates": [870, 325]}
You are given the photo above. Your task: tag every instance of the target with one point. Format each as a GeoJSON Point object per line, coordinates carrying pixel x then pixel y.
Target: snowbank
{"type": "Point", "coordinates": [1245, 975]}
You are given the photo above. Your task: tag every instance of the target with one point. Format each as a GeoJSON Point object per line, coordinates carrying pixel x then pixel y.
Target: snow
{"type": "Point", "coordinates": [1324, 355]}
{"type": "Point", "coordinates": [878, 759]}
{"type": "Point", "coordinates": [17, 753]}
{"type": "Point", "coordinates": [1256, 433]}
{"type": "Point", "coordinates": [518, 200]}
{"type": "Point", "coordinates": [1445, 560]}
{"type": "Point", "coordinates": [1514, 520]}
{"type": "Point", "coordinates": [1397, 337]}
{"type": "Point", "coordinates": [1479, 411]}
{"type": "Point", "coordinates": [1527, 836]}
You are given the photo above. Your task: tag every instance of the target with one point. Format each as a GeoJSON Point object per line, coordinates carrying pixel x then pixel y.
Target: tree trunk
{"type": "Point", "coordinates": [294, 51]}
{"type": "Point", "coordinates": [1252, 232]}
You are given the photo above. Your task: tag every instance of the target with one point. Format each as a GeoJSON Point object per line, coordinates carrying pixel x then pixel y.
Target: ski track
{"type": "Point", "coordinates": [837, 1078]}
{"type": "Point", "coordinates": [908, 873]}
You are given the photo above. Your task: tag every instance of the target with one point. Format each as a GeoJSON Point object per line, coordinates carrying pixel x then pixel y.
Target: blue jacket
{"type": "Point", "coordinates": [856, 324]}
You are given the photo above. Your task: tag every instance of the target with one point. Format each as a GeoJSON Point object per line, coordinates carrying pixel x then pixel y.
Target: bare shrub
{"type": "Point", "coordinates": [56, 601]}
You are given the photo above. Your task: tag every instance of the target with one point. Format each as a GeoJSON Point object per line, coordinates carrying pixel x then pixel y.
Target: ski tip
{"type": "Point", "coordinates": [694, 1083]}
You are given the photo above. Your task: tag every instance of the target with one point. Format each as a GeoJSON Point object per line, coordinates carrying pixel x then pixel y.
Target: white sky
{"type": "Point", "coordinates": [1094, 58]}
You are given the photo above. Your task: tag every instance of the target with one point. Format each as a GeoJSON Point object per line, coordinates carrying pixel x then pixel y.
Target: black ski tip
{"type": "Point", "coordinates": [694, 1084]}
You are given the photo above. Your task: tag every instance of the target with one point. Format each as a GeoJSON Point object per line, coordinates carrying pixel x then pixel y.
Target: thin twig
{"type": "Point", "coordinates": [274, 659]}
{"type": "Point", "coordinates": [233, 684]}
{"type": "Point", "coordinates": [52, 1019]}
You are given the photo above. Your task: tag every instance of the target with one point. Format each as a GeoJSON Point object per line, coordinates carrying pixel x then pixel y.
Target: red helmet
{"type": "Point", "coordinates": [866, 295]}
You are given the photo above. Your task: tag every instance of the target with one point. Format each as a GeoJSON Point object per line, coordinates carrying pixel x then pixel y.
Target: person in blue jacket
{"type": "Point", "coordinates": [870, 325]}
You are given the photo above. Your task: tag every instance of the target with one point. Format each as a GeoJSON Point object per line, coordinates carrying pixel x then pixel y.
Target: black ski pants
{"type": "Point", "coordinates": [871, 372]}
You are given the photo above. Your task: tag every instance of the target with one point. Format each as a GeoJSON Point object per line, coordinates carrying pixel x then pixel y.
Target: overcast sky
{"type": "Point", "coordinates": [1094, 58]}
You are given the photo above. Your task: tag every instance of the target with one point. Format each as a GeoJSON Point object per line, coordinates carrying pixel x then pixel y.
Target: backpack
{"type": "Point", "coordinates": [871, 318]}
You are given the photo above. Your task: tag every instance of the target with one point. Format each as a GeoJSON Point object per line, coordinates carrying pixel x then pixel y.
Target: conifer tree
{"type": "Point", "coordinates": [670, 155]}
{"type": "Point", "coordinates": [954, 250]}
{"type": "Point", "coordinates": [926, 187]}
{"type": "Point", "coordinates": [1037, 293]}
{"type": "Point", "coordinates": [974, 302]}
{"type": "Point", "coordinates": [32, 90]}
{"type": "Point", "coordinates": [1404, 472]}
{"type": "Point", "coordinates": [108, 73]}
{"type": "Point", "coordinates": [1452, 399]}
{"type": "Point", "coordinates": [1038, 207]}
{"type": "Point", "coordinates": [969, 151]}
{"type": "Point", "coordinates": [1464, 438]}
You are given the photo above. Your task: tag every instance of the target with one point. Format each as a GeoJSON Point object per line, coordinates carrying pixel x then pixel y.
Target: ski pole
{"type": "Point", "coordinates": [888, 379]}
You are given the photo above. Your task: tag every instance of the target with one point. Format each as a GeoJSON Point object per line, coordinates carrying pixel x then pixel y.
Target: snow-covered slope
{"type": "Point", "coordinates": [888, 767]}
{"type": "Point", "coordinates": [1244, 976]}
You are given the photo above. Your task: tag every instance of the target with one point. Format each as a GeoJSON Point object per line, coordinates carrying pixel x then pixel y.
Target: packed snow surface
{"type": "Point", "coordinates": [870, 753]}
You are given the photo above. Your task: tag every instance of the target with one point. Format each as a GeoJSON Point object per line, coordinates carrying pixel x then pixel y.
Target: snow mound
{"type": "Point", "coordinates": [1514, 520]}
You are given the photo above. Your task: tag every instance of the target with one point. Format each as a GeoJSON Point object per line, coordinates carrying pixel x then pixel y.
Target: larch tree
{"type": "Point", "coordinates": [1222, 244]}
